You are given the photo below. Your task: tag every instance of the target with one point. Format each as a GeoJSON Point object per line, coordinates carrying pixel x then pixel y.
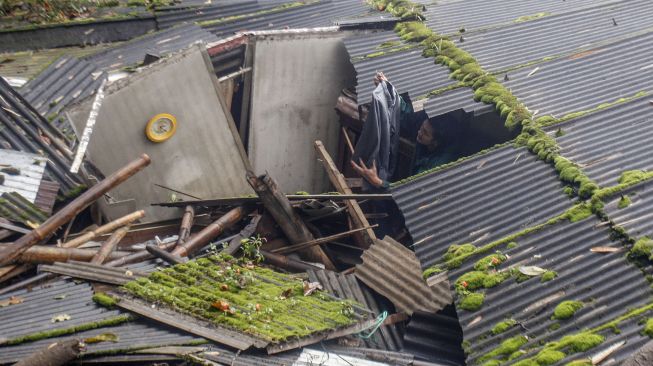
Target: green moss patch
{"type": "Point", "coordinates": [580, 342]}
{"type": "Point", "coordinates": [490, 262]}
{"type": "Point", "coordinates": [528, 18]}
{"type": "Point", "coordinates": [109, 322]}
{"type": "Point", "coordinates": [549, 357]}
{"type": "Point", "coordinates": [642, 248]}
{"type": "Point", "coordinates": [472, 302]}
{"type": "Point", "coordinates": [566, 309]}
{"type": "Point", "coordinates": [245, 297]}
{"type": "Point", "coordinates": [648, 328]}
{"type": "Point", "coordinates": [475, 280]}
{"type": "Point", "coordinates": [579, 363]}
{"type": "Point", "coordinates": [548, 276]}
{"type": "Point", "coordinates": [503, 326]}
{"type": "Point", "coordinates": [506, 348]}
{"type": "Point", "coordinates": [105, 300]}
{"type": "Point", "coordinates": [404, 9]}
{"type": "Point", "coordinates": [456, 250]}
{"type": "Point", "coordinates": [624, 202]}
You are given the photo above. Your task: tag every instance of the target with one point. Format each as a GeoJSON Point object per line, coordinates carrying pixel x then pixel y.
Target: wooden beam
{"type": "Point", "coordinates": [367, 237]}
{"type": "Point", "coordinates": [276, 203]}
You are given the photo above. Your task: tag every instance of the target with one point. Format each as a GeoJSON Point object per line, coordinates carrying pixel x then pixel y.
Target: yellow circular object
{"type": "Point", "coordinates": [161, 127]}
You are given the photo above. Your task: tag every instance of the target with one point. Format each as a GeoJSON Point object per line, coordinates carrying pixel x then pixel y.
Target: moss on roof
{"type": "Point", "coordinates": [245, 297]}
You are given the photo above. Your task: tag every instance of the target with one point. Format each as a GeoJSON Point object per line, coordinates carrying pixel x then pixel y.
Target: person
{"type": "Point", "coordinates": [430, 150]}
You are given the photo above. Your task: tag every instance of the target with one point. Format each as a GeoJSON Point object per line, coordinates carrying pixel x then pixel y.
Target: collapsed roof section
{"type": "Point", "coordinates": [24, 129]}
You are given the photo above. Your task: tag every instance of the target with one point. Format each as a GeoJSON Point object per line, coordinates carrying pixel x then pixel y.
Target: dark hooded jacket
{"type": "Point", "coordinates": [379, 140]}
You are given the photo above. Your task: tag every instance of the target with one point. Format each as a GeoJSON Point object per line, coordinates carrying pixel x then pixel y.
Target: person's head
{"type": "Point", "coordinates": [427, 135]}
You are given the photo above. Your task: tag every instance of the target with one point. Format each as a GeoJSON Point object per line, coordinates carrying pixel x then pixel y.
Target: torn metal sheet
{"type": "Point", "coordinates": [392, 270]}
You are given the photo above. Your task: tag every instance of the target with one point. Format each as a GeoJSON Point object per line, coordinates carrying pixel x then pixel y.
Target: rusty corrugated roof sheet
{"type": "Point", "coordinates": [393, 271]}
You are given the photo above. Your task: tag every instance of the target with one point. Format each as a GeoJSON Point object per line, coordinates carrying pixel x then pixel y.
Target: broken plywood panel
{"type": "Point", "coordinates": [203, 157]}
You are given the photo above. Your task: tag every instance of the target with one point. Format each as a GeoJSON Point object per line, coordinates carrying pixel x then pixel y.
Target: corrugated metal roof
{"type": "Point", "coordinates": [319, 14]}
{"type": "Point", "coordinates": [29, 168]}
{"type": "Point", "coordinates": [636, 217]}
{"type": "Point", "coordinates": [459, 98]}
{"type": "Point", "coordinates": [40, 305]}
{"type": "Point", "coordinates": [21, 128]}
{"type": "Point", "coordinates": [479, 200]}
{"type": "Point", "coordinates": [28, 64]}
{"type": "Point", "coordinates": [66, 80]}
{"type": "Point", "coordinates": [158, 43]}
{"type": "Point", "coordinates": [343, 286]}
{"type": "Point", "coordinates": [448, 17]}
{"type": "Point", "coordinates": [17, 208]}
{"type": "Point", "coordinates": [134, 335]}
{"type": "Point", "coordinates": [606, 283]}
{"type": "Point", "coordinates": [521, 43]}
{"type": "Point", "coordinates": [435, 337]}
{"type": "Point", "coordinates": [171, 16]}
{"type": "Point", "coordinates": [587, 80]}
{"type": "Point", "coordinates": [366, 43]}
{"type": "Point", "coordinates": [403, 285]}
{"type": "Point", "coordinates": [608, 143]}
{"type": "Point", "coordinates": [407, 70]}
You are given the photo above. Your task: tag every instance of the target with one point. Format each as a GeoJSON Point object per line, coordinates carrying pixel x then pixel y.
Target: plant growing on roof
{"type": "Point", "coordinates": [251, 248]}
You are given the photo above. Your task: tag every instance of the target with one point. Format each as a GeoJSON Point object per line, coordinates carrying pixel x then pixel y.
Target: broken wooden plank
{"type": "Point", "coordinates": [291, 224]}
{"type": "Point", "coordinates": [191, 325]}
{"type": "Point", "coordinates": [367, 237]}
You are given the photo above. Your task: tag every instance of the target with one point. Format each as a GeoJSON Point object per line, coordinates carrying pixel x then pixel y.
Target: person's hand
{"type": "Point", "coordinates": [369, 174]}
{"type": "Point", "coordinates": [379, 77]}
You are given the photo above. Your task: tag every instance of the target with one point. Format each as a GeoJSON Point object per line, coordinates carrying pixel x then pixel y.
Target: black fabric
{"type": "Point", "coordinates": [379, 140]}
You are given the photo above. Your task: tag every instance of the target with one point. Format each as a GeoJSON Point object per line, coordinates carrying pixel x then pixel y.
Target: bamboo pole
{"type": "Point", "coordinates": [186, 225]}
{"type": "Point", "coordinates": [110, 245]}
{"type": "Point", "coordinates": [156, 251]}
{"type": "Point", "coordinates": [10, 253]}
{"type": "Point", "coordinates": [210, 232]}
{"type": "Point", "coordinates": [106, 228]}
{"type": "Point", "coordinates": [47, 254]}
{"type": "Point", "coordinates": [136, 257]}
